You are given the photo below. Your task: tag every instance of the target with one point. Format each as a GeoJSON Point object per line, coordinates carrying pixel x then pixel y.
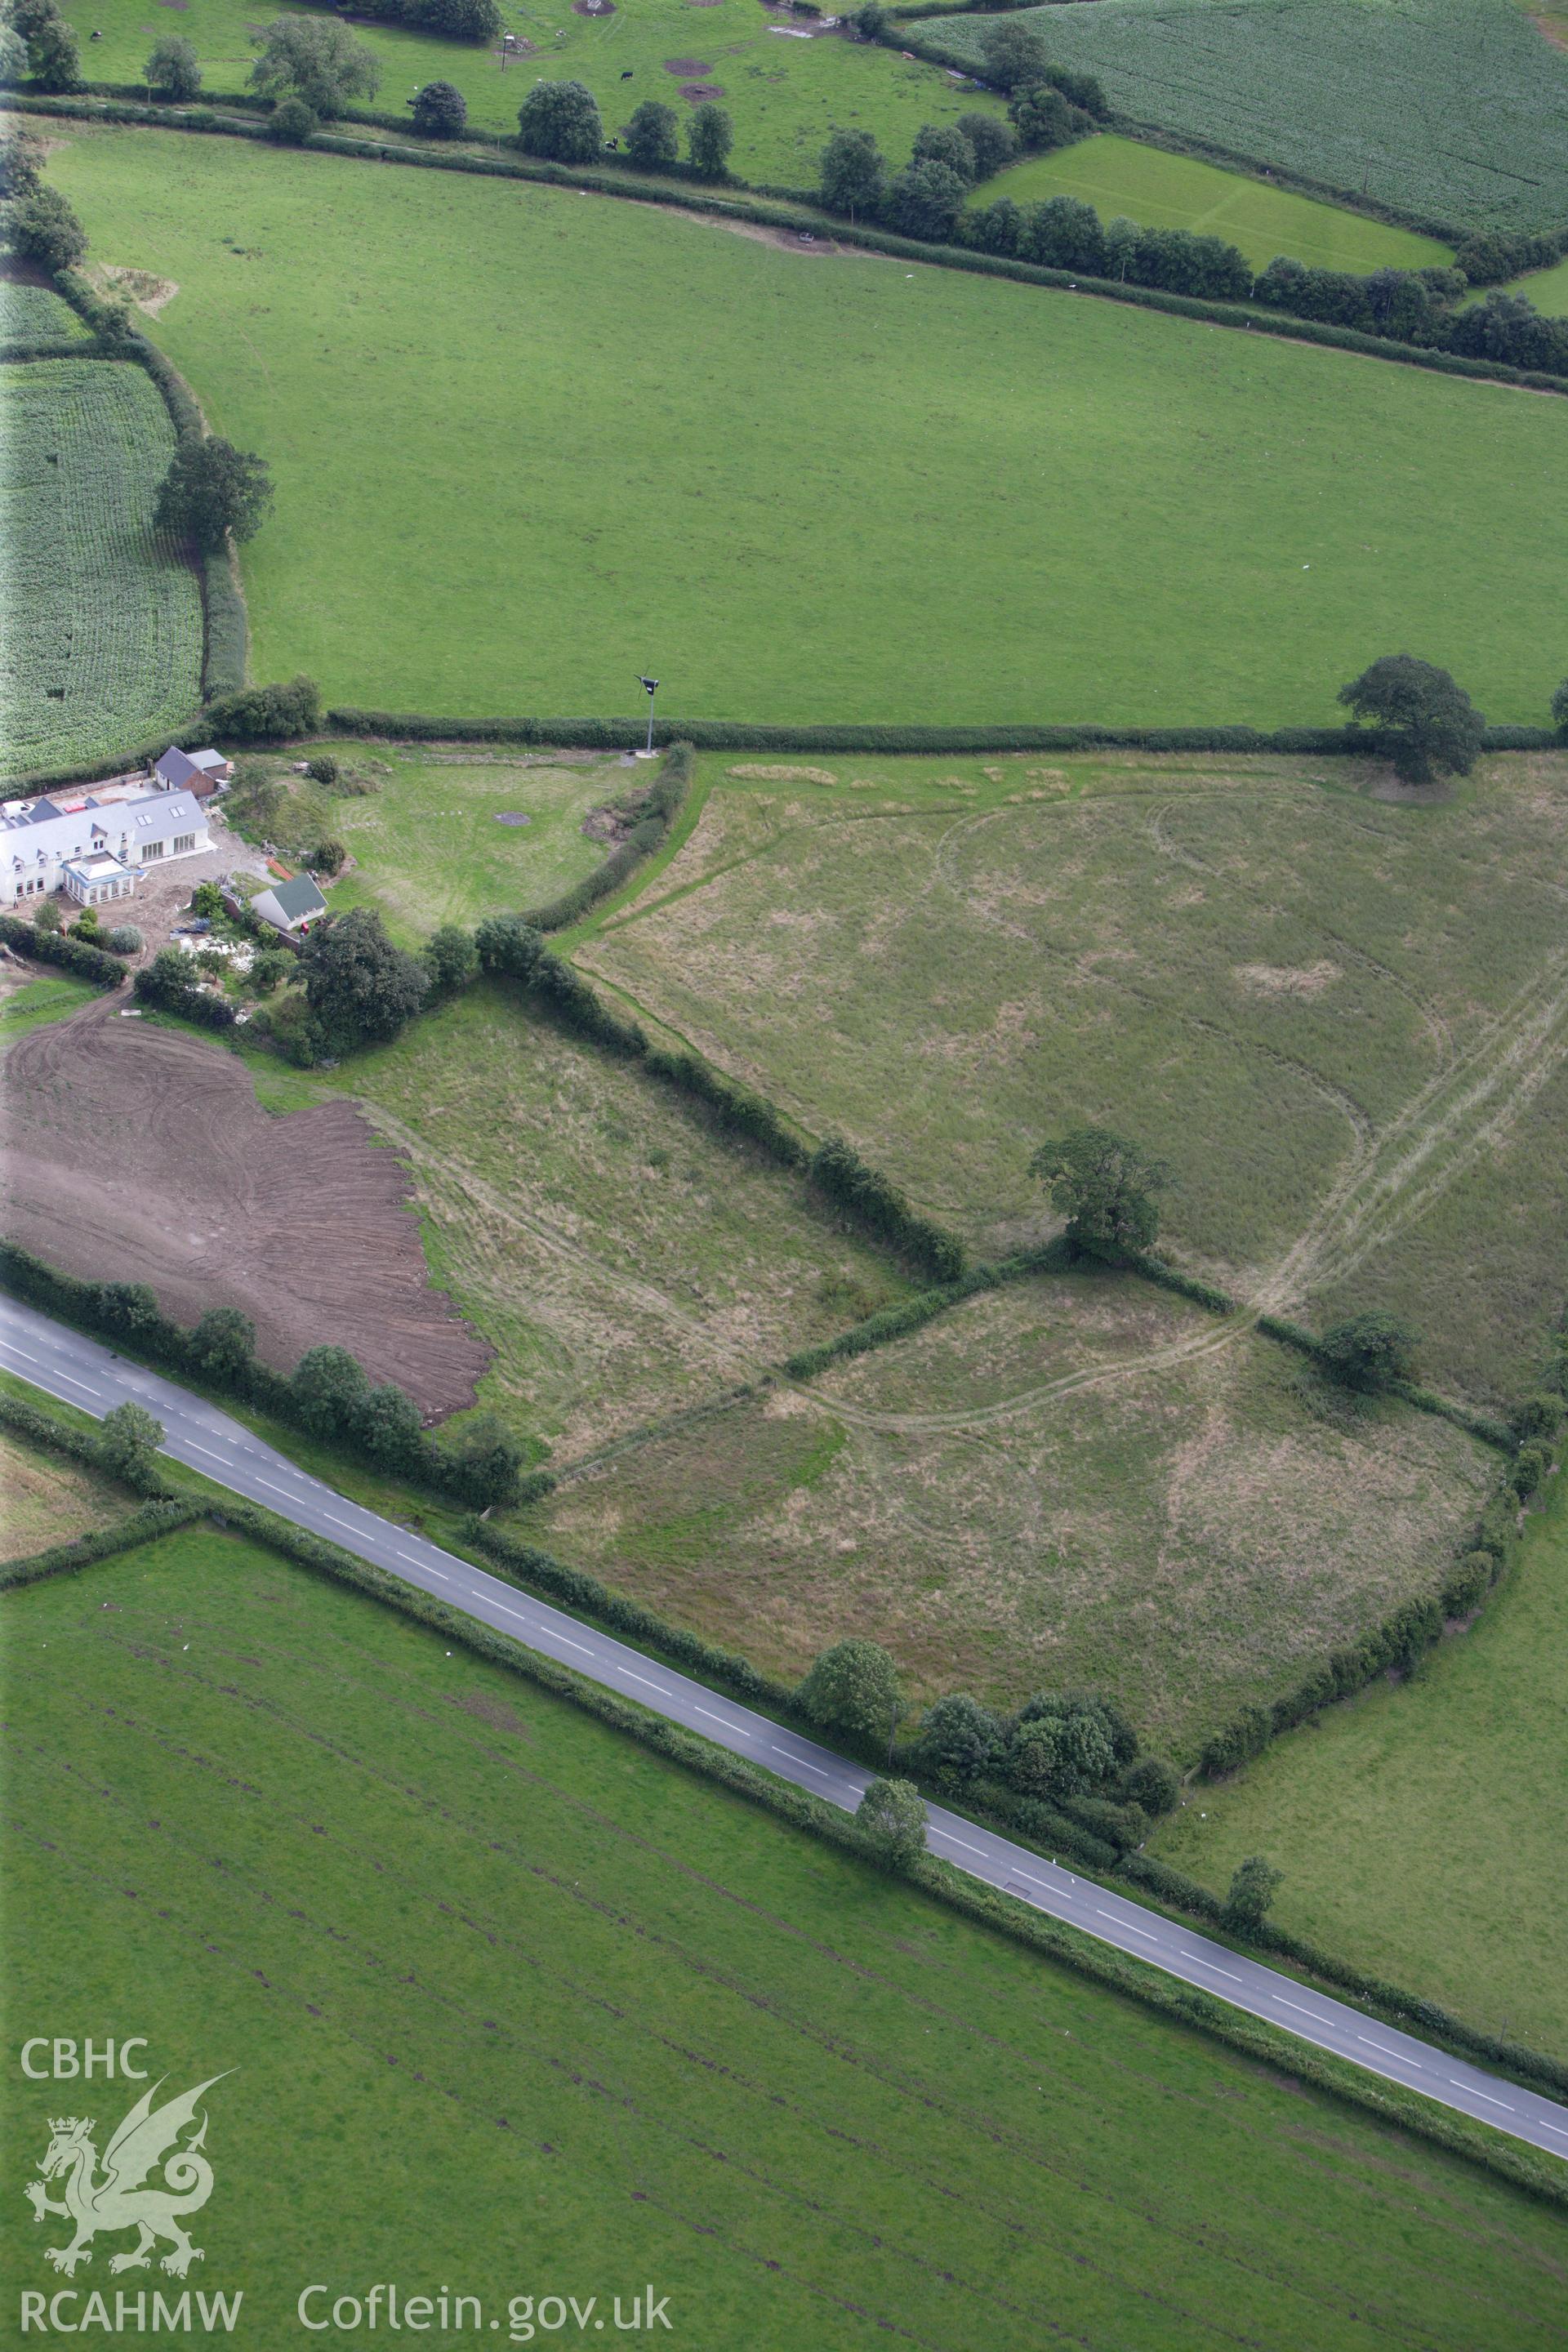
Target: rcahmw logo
{"type": "Point", "coordinates": [153, 2175]}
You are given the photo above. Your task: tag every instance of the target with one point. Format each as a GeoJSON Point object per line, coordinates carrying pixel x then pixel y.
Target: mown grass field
{"type": "Point", "coordinates": [1306, 88]}
{"type": "Point", "coordinates": [1163, 190]}
{"type": "Point", "coordinates": [1180, 524]}
{"type": "Point", "coordinates": [1342, 1020]}
{"type": "Point", "coordinates": [104, 644]}
{"type": "Point", "coordinates": [1066, 1484]}
{"type": "Point", "coordinates": [785, 94]}
{"type": "Point", "coordinates": [1418, 1826]}
{"type": "Point", "coordinates": [514, 2008]}
{"type": "Point", "coordinates": [45, 1500]}
{"type": "Point", "coordinates": [625, 1263]}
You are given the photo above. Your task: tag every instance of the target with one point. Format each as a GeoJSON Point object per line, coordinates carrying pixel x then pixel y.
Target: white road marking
{"type": "Point", "coordinates": [633, 1677]}
{"type": "Point", "coordinates": [81, 1385]}
{"type": "Point", "coordinates": [1555, 2130]}
{"type": "Point", "coordinates": [740, 1729]}
{"type": "Point", "coordinates": [1215, 1966]}
{"type": "Point", "coordinates": [571, 1645]}
{"type": "Point", "coordinates": [344, 1523]}
{"type": "Point", "coordinates": [1481, 2095]}
{"type": "Point", "coordinates": [23, 1354]}
{"type": "Point", "coordinates": [207, 1450]}
{"type": "Point", "coordinates": [803, 1761]}
{"type": "Point", "coordinates": [274, 1489]}
{"type": "Point", "coordinates": [1301, 2012]}
{"type": "Point", "coordinates": [1384, 2051]}
{"type": "Point", "coordinates": [963, 1841]}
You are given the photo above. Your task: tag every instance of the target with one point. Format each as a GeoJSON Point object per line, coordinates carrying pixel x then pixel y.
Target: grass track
{"type": "Point", "coordinates": [428, 1915]}
{"type": "Point", "coordinates": [1165, 190]}
{"type": "Point", "coordinates": [839, 488]}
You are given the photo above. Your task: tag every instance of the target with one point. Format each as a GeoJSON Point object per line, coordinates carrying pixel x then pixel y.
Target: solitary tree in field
{"type": "Point", "coordinates": [45, 230]}
{"type": "Point", "coordinates": [212, 488]}
{"type": "Point", "coordinates": [317, 60]}
{"type": "Point", "coordinates": [852, 174]}
{"type": "Point", "coordinates": [1368, 1351]}
{"type": "Point", "coordinates": [708, 141]}
{"type": "Point", "coordinates": [653, 136]}
{"type": "Point", "coordinates": [1252, 1888]}
{"type": "Point", "coordinates": [128, 1440]}
{"type": "Point", "coordinates": [441, 110]}
{"type": "Point", "coordinates": [561, 120]}
{"type": "Point", "coordinates": [1013, 54]}
{"type": "Point", "coordinates": [1433, 727]}
{"type": "Point", "coordinates": [853, 1686]}
{"type": "Point", "coordinates": [1104, 1186]}
{"type": "Point", "coordinates": [172, 70]}
{"type": "Point", "coordinates": [891, 1822]}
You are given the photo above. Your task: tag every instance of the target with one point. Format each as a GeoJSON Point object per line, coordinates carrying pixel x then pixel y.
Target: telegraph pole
{"type": "Point", "coordinates": [651, 687]}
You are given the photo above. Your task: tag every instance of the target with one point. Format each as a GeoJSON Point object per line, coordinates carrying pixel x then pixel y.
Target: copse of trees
{"type": "Point", "coordinates": [173, 69]}
{"type": "Point", "coordinates": [212, 489]}
{"type": "Point", "coordinates": [318, 60]}
{"type": "Point", "coordinates": [853, 175]}
{"type": "Point", "coordinates": [992, 142]}
{"type": "Point", "coordinates": [441, 110]}
{"type": "Point", "coordinates": [44, 228]}
{"type": "Point", "coordinates": [268, 713]}
{"type": "Point", "coordinates": [924, 200]}
{"type": "Point", "coordinates": [1430, 724]}
{"type": "Point", "coordinates": [560, 120]}
{"type": "Point", "coordinates": [361, 989]}
{"type": "Point", "coordinates": [945, 143]}
{"type": "Point", "coordinates": [1104, 1186]}
{"type": "Point", "coordinates": [54, 60]}
{"type": "Point", "coordinates": [1013, 55]}
{"type": "Point", "coordinates": [1065, 1749]}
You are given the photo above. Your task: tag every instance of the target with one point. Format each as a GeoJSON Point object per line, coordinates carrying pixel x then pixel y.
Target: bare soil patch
{"type": "Point", "coordinates": [148, 292]}
{"type": "Point", "coordinates": [685, 68]}
{"type": "Point", "coordinates": [136, 1154]}
{"type": "Point", "coordinates": [698, 93]}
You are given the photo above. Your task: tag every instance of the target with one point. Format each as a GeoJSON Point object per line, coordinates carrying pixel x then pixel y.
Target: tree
{"type": "Point", "coordinates": [463, 20]}
{"type": "Point", "coordinates": [330, 1387]}
{"type": "Point", "coordinates": [1153, 1783]}
{"type": "Point", "coordinates": [387, 1424]}
{"type": "Point", "coordinates": [206, 900]}
{"type": "Point", "coordinates": [1045, 119]}
{"type": "Point", "coordinates": [21, 163]}
{"type": "Point", "coordinates": [128, 1440]}
{"type": "Point", "coordinates": [1063, 1744]}
{"type": "Point", "coordinates": [327, 856]}
{"type": "Point", "coordinates": [53, 56]}
{"type": "Point", "coordinates": [361, 989]}
{"type": "Point", "coordinates": [441, 110]}
{"type": "Point", "coordinates": [960, 1740]}
{"type": "Point", "coordinates": [223, 1344]}
{"type": "Point", "coordinates": [1122, 237]}
{"type": "Point", "coordinates": [708, 141]}
{"type": "Point", "coordinates": [490, 1458]}
{"type": "Point", "coordinates": [1368, 1351]}
{"type": "Point", "coordinates": [925, 201]}
{"type": "Point", "coordinates": [451, 958]}
{"type": "Point", "coordinates": [653, 136]}
{"type": "Point", "coordinates": [1559, 710]}
{"type": "Point", "coordinates": [315, 59]}
{"type": "Point", "coordinates": [890, 1820]}
{"type": "Point", "coordinates": [172, 70]}
{"type": "Point", "coordinates": [45, 230]}
{"type": "Point", "coordinates": [1434, 727]}
{"type": "Point", "coordinates": [212, 488]}
{"type": "Point", "coordinates": [561, 120]}
{"type": "Point", "coordinates": [943, 142]}
{"type": "Point", "coordinates": [292, 122]}
{"type": "Point", "coordinates": [1103, 1186]}
{"type": "Point", "coordinates": [1013, 54]}
{"type": "Point", "coordinates": [852, 174]}
{"type": "Point", "coordinates": [992, 141]}
{"type": "Point", "coordinates": [1252, 1886]}
{"type": "Point", "coordinates": [13, 58]}
{"type": "Point", "coordinates": [269, 970]}
{"type": "Point", "coordinates": [869, 20]}
{"type": "Point", "coordinates": [853, 1686]}
{"type": "Point", "coordinates": [124, 939]}
{"type": "Point", "coordinates": [132, 1307]}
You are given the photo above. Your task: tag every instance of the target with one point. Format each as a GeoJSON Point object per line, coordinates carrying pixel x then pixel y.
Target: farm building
{"type": "Point", "coordinates": [200, 773]}
{"type": "Point", "coordinates": [289, 906]}
{"type": "Point", "coordinates": [96, 841]}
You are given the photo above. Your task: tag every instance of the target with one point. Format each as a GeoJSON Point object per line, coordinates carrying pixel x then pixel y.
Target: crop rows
{"type": "Point", "coordinates": [104, 637]}
{"type": "Point", "coordinates": [1305, 85]}
{"type": "Point", "coordinates": [32, 314]}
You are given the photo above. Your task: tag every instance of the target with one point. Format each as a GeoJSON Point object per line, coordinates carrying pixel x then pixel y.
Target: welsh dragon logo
{"type": "Point", "coordinates": [118, 2199]}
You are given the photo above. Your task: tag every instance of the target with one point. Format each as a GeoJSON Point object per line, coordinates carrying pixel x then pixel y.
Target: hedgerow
{"type": "Point", "coordinates": [656, 811]}
{"type": "Point", "coordinates": [144, 1525]}
{"type": "Point", "coordinates": [58, 947]}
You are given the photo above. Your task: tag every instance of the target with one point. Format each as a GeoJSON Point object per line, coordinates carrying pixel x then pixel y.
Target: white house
{"type": "Point", "coordinates": [95, 841]}
{"type": "Point", "coordinates": [289, 906]}
{"type": "Point", "coordinates": [200, 772]}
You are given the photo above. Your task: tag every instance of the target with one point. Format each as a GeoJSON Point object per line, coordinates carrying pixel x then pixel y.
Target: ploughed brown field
{"type": "Point", "coordinates": [134, 1154]}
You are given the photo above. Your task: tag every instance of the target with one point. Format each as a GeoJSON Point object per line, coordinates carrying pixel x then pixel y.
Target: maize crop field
{"type": "Point", "coordinates": [104, 639]}
{"type": "Point", "coordinates": [1305, 86]}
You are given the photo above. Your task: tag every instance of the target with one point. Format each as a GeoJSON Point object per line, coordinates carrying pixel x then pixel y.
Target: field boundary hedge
{"type": "Point", "coordinates": [91, 963]}
{"type": "Point", "coordinates": [1509, 2160]}
{"type": "Point", "coordinates": [142, 1525]}
{"type": "Point", "coordinates": [656, 813]}
{"type": "Point", "coordinates": [769, 212]}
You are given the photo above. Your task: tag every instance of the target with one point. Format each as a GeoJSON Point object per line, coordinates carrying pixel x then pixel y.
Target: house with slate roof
{"type": "Point", "coordinates": [290, 906]}
{"type": "Point", "coordinates": [197, 772]}
{"type": "Point", "coordinates": [96, 841]}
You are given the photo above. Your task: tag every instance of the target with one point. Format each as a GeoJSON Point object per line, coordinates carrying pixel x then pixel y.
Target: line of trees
{"type": "Point", "coordinates": [560, 120]}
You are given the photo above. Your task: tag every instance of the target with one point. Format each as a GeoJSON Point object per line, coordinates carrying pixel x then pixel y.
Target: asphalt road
{"type": "Point", "coordinates": [83, 1373]}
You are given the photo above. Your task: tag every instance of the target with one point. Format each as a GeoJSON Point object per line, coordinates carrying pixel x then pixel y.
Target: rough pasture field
{"type": "Point", "coordinates": [1073, 1483]}
{"type": "Point", "coordinates": [452, 1919]}
{"type": "Point", "coordinates": [105, 641]}
{"type": "Point", "coordinates": [1305, 84]}
{"type": "Point", "coordinates": [624, 1263]}
{"type": "Point", "coordinates": [1150, 184]}
{"type": "Point", "coordinates": [135, 1153]}
{"type": "Point", "coordinates": [1417, 1825]}
{"type": "Point", "coordinates": [1342, 1018]}
{"type": "Point", "coordinates": [46, 1501]}
{"type": "Point", "coordinates": [786, 93]}
{"type": "Point", "coordinates": [1182, 524]}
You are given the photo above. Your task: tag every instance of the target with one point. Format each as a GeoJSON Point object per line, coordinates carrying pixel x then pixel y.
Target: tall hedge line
{"type": "Point", "coordinates": [655, 813]}
{"type": "Point", "coordinates": [143, 1526]}
{"type": "Point", "coordinates": [58, 947]}
{"type": "Point", "coordinates": [47, 1430]}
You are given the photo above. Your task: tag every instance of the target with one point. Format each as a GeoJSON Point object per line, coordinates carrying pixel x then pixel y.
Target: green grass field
{"type": "Point", "coordinates": [1166, 191]}
{"type": "Point", "coordinates": [508, 2007]}
{"type": "Point", "coordinates": [1180, 524]}
{"type": "Point", "coordinates": [786, 94]}
{"type": "Point", "coordinates": [1344, 1021]}
{"type": "Point", "coordinates": [1418, 1826]}
{"type": "Point", "coordinates": [105, 642]}
{"type": "Point", "coordinates": [1310, 89]}
{"type": "Point", "coordinates": [1547, 288]}
{"type": "Point", "coordinates": [1070, 1483]}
